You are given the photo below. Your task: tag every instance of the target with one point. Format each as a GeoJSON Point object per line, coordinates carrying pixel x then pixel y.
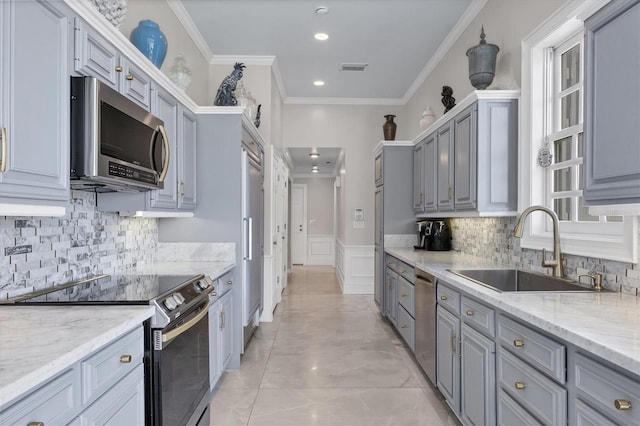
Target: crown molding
{"type": "Point", "coordinates": [190, 27]}
{"type": "Point", "coordinates": [345, 101]}
{"type": "Point", "coordinates": [245, 59]}
{"type": "Point", "coordinates": [465, 20]}
{"type": "Point", "coordinates": [275, 69]}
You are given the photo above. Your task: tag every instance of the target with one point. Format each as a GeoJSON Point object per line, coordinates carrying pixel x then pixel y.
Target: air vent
{"type": "Point", "coordinates": [353, 67]}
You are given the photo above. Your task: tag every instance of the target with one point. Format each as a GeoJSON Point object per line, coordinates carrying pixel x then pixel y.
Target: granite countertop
{"type": "Point", "coordinates": [604, 324]}
{"type": "Point", "coordinates": [38, 342]}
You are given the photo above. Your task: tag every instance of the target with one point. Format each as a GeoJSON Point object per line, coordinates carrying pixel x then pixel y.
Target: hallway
{"type": "Point", "coordinates": [326, 359]}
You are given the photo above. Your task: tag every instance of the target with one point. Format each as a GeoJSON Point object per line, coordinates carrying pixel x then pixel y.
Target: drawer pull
{"type": "Point", "coordinates": [229, 282]}
{"type": "Point", "coordinates": [125, 359]}
{"type": "Point", "coordinates": [622, 404]}
{"type": "Point", "coordinates": [403, 294]}
{"type": "Point", "coordinates": [520, 385]}
{"type": "Point", "coordinates": [403, 325]}
{"type": "Point", "coordinates": [129, 77]}
{"type": "Point", "coordinates": [443, 297]}
{"type": "Point", "coordinates": [469, 312]}
{"type": "Point", "coordinates": [518, 343]}
{"type": "Point", "coordinates": [118, 68]}
{"type": "Point", "coordinates": [35, 424]}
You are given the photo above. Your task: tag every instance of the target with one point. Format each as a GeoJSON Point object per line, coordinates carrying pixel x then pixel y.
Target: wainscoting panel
{"type": "Point", "coordinates": [354, 268]}
{"type": "Point", "coordinates": [320, 250]}
{"type": "Point", "coordinates": [268, 302]}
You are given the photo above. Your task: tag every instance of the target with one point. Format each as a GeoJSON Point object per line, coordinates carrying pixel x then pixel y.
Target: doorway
{"type": "Point", "coordinates": [298, 224]}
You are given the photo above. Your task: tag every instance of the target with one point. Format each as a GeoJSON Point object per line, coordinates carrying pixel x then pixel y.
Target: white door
{"type": "Point", "coordinates": [298, 224]}
{"type": "Point", "coordinates": [278, 232]}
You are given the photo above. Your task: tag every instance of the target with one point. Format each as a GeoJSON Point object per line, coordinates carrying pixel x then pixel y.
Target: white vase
{"type": "Point", "coordinates": [428, 118]}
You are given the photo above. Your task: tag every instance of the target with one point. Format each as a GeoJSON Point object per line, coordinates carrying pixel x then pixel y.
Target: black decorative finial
{"type": "Point", "coordinates": [482, 36]}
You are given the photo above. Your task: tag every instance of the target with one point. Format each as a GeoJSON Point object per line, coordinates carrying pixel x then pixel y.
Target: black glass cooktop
{"type": "Point", "coordinates": [120, 289]}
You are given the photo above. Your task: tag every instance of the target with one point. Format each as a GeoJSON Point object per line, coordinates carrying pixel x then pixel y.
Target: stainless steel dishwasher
{"type": "Point", "coordinates": [425, 347]}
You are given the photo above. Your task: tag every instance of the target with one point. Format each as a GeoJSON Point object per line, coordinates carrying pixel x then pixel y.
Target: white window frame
{"type": "Point", "coordinates": [619, 242]}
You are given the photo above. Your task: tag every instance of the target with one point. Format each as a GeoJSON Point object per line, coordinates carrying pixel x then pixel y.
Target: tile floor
{"type": "Point", "coordinates": [326, 359]}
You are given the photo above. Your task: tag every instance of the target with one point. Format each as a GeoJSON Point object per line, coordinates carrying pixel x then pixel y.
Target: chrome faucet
{"type": "Point", "coordinates": [556, 262]}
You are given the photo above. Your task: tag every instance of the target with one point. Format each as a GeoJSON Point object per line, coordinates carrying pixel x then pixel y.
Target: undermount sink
{"type": "Point", "coordinates": [508, 280]}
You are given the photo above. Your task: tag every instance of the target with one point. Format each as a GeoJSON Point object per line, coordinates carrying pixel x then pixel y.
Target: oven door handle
{"type": "Point", "coordinates": [184, 327]}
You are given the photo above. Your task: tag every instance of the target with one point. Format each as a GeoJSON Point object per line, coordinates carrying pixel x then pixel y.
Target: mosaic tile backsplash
{"type": "Point", "coordinates": [84, 242]}
{"type": "Point", "coordinates": [490, 238]}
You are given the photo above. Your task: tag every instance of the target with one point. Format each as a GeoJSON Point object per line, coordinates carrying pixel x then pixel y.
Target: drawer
{"type": "Point", "coordinates": [107, 366]}
{"type": "Point", "coordinates": [543, 353]}
{"type": "Point", "coordinates": [406, 295]}
{"type": "Point", "coordinates": [225, 281]}
{"type": "Point", "coordinates": [406, 271]}
{"type": "Point", "coordinates": [56, 402]}
{"type": "Point", "coordinates": [587, 416]}
{"type": "Point", "coordinates": [406, 327]}
{"type": "Point", "coordinates": [448, 297]}
{"type": "Point", "coordinates": [511, 413]}
{"type": "Point", "coordinates": [607, 390]}
{"type": "Point", "coordinates": [541, 396]}
{"type": "Point", "coordinates": [479, 316]}
{"type": "Point", "coordinates": [391, 262]}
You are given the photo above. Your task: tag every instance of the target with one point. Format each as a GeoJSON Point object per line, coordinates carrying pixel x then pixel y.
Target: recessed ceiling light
{"type": "Point", "coordinates": [314, 155]}
{"type": "Point", "coordinates": [321, 36]}
{"type": "Point", "coordinates": [322, 10]}
{"type": "Point", "coordinates": [318, 83]}
{"type": "Point", "coordinates": [314, 170]}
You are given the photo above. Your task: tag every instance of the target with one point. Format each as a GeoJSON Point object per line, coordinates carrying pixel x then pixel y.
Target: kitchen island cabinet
{"type": "Point", "coordinates": [34, 107]}
{"type": "Point", "coordinates": [56, 372]}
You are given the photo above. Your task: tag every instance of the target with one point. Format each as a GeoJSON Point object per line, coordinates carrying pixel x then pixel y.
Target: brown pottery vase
{"type": "Point", "coordinates": [389, 128]}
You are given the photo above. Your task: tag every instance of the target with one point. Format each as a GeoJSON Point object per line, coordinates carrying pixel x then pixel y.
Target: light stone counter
{"type": "Point", "coordinates": [604, 324]}
{"type": "Point", "coordinates": [210, 269]}
{"type": "Point", "coordinates": [38, 342]}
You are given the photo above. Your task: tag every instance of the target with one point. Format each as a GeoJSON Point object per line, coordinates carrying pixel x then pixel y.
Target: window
{"type": "Point", "coordinates": [551, 123]}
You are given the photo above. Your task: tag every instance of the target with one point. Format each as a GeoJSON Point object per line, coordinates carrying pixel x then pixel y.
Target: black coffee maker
{"type": "Point", "coordinates": [424, 234]}
{"type": "Point", "coordinates": [440, 235]}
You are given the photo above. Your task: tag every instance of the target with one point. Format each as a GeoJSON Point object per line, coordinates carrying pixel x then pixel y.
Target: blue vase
{"type": "Point", "coordinates": [148, 38]}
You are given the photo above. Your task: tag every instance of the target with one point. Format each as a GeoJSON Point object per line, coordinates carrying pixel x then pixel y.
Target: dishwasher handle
{"type": "Point", "coordinates": [424, 279]}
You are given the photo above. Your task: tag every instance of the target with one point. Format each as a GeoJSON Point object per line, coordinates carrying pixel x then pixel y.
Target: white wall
{"type": "Point", "coordinates": [319, 204]}
{"type": "Point", "coordinates": [506, 23]}
{"type": "Point", "coordinates": [355, 128]}
{"type": "Point", "coordinates": [276, 115]}
{"type": "Point", "coordinates": [179, 43]}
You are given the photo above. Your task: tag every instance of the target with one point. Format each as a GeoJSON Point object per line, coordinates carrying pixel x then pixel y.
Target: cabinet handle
{"type": "Point", "coordinates": [518, 343]}
{"type": "Point", "coordinates": [3, 160]}
{"type": "Point", "coordinates": [622, 404]}
{"type": "Point", "coordinates": [469, 312]}
{"type": "Point", "coordinates": [449, 192]}
{"type": "Point", "coordinates": [229, 282]}
{"type": "Point", "coordinates": [221, 320]}
{"type": "Point", "coordinates": [129, 77]}
{"type": "Point", "coordinates": [403, 295]}
{"type": "Point", "coordinates": [182, 188]}
{"type": "Point", "coordinates": [520, 385]}
{"type": "Point", "coordinates": [453, 342]}
{"type": "Point", "coordinates": [125, 359]}
{"type": "Point", "coordinates": [443, 297]}
{"type": "Point", "coordinates": [118, 68]}
{"type": "Point", "coordinates": [403, 325]}
{"type": "Point", "coordinates": [460, 348]}
{"type": "Point", "coordinates": [35, 424]}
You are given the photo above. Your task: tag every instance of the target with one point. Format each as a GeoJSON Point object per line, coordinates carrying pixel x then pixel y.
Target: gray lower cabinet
{"type": "Point", "coordinates": [179, 192]}
{"type": "Point", "coordinates": [105, 388]}
{"type": "Point", "coordinates": [94, 56]}
{"type": "Point", "coordinates": [220, 334]}
{"type": "Point", "coordinates": [215, 366]}
{"type": "Point", "coordinates": [226, 329]}
{"type": "Point", "coordinates": [34, 103]}
{"type": "Point", "coordinates": [612, 105]}
{"type": "Point", "coordinates": [478, 373]}
{"type": "Point", "coordinates": [603, 393]}
{"type": "Point", "coordinates": [447, 359]}
{"type": "Point", "coordinates": [391, 295]}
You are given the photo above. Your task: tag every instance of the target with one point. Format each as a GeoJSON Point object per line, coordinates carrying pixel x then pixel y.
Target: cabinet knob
{"type": "Point", "coordinates": [125, 359]}
{"type": "Point", "coordinates": [520, 385]}
{"type": "Point", "coordinates": [443, 297]}
{"type": "Point", "coordinates": [622, 404]}
{"type": "Point", "coordinates": [35, 424]}
{"type": "Point", "coordinates": [229, 282]}
{"type": "Point", "coordinates": [129, 77]}
{"type": "Point", "coordinates": [469, 312]}
{"type": "Point", "coordinates": [403, 295]}
{"type": "Point", "coordinates": [118, 68]}
{"type": "Point", "coordinates": [403, 325]}
{"type": "Point", "coordinates": [518, 343]}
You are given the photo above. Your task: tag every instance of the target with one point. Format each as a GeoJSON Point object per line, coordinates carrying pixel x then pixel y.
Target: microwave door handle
{"type": "Point", "coordinates": [167, 158]}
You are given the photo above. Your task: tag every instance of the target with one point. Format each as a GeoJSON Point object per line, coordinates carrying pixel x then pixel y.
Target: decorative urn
{"type": "Point", "coordinates": [482, 63]}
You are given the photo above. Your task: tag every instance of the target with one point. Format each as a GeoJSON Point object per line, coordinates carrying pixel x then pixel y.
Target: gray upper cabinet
{"type": "Point", "coordinates": [612, 105]}
{"type": "Point", "coordinates": [165, 107]}
{"type": "Point", "coordinates": [418, 177]}
{"type": "Point", "coordinates": [34, 103]}
{"type": "Point", "coordinates": [95, 56]}
{"type": "Point", "coordinates": [470, 158]}
{"type": "Point", "coordinates": [186, 159]}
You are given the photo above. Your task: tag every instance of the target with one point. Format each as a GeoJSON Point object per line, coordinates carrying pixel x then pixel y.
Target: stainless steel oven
{"type": "Point", "coordinates": [180, 360]}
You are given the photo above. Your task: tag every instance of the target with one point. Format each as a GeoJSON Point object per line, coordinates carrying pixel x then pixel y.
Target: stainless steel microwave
{"type": "Point", "coordinates": [116, 145]}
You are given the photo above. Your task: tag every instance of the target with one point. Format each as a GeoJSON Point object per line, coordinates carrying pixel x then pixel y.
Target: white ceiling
{"type": "Point", "coordinates": [396, 38]}
{"type": "Point", "coordinates": [328, 161]}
